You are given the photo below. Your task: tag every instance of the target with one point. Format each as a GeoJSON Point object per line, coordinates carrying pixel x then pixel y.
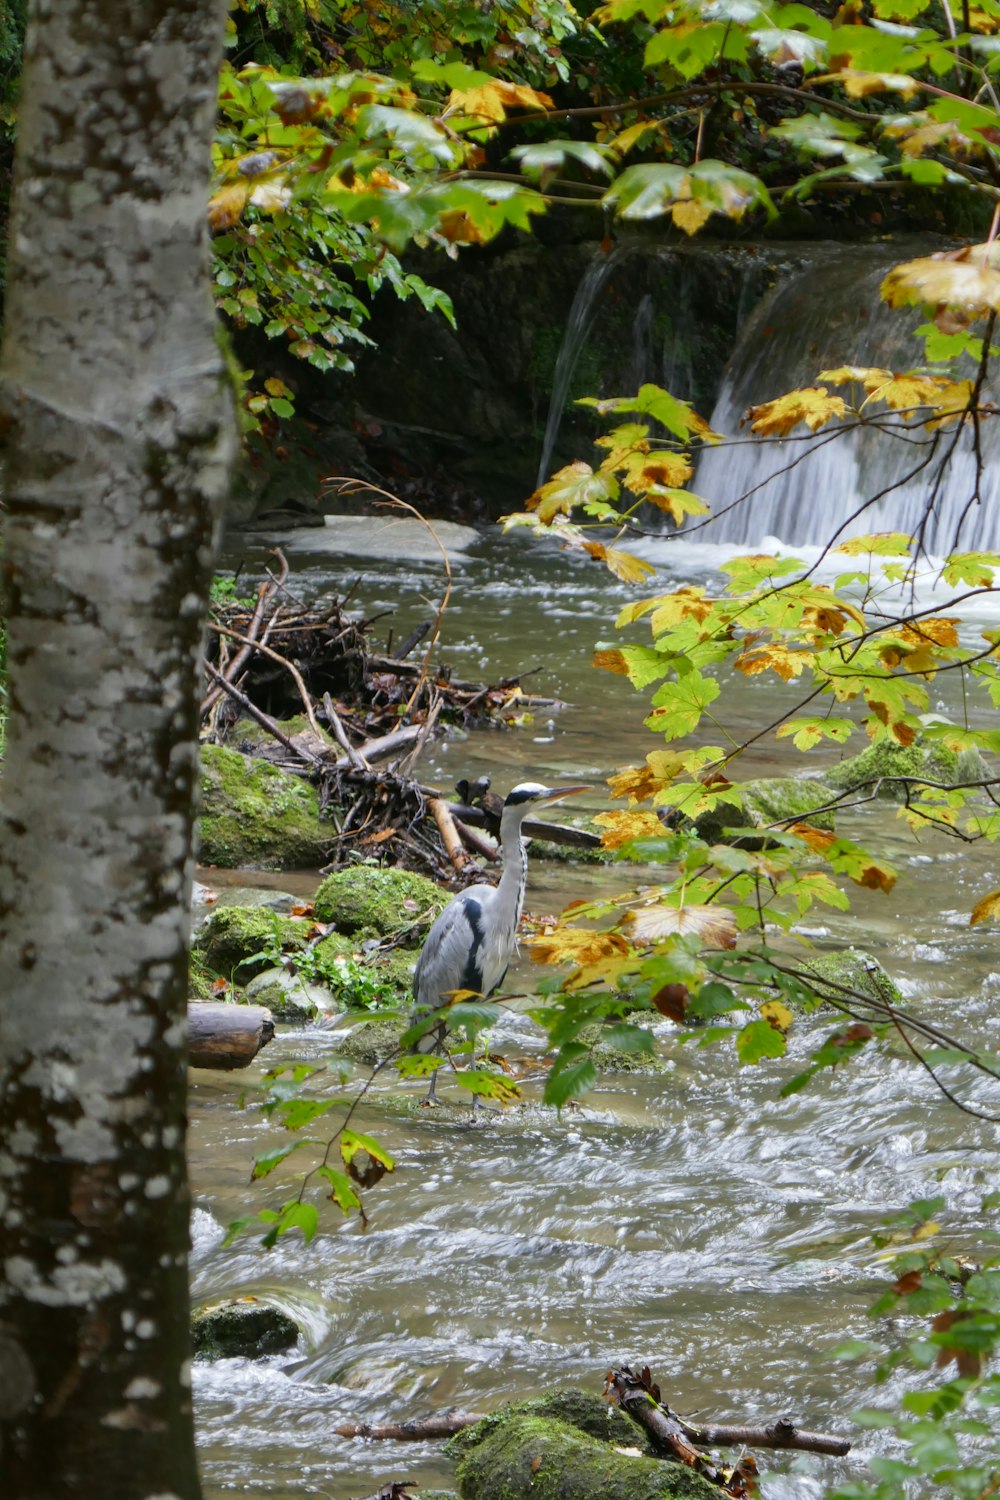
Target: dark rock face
{"type": "Point", "coordinates": [471, 404]}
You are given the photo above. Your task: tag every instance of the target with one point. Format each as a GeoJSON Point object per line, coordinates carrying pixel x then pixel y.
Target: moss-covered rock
{"type": "Point", "coordinates": [251, 738]}
{"type": "Point", "coordinates": [291, 997]}
{"type": "Point", "coordinates": [607, 1058]}
{"type": "Point", "coordinates": [855, 969]}
{"type": "Point", "coordinates": [254, 815]}
{"type": "Point", "coordinates": [201, 979]}
{"type": "Point", "coordinates": [927, 758]}
{"type": "Point", "coordinates": [247, 1328]}
{"type": "Point", "coordinates": [373, 901]}
{"type": "Point", "coordinates": [770, 800]}
{"type": "Point", "coordinates": [373, 1041]}
{"type": "Point", "coordinates": [233, 936]}
{"type": "Point", "coordinates": [528, 1451]}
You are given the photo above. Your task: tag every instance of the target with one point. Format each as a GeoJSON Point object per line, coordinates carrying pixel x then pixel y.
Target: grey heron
{"type": "Point", "coordinates": [470, 945]}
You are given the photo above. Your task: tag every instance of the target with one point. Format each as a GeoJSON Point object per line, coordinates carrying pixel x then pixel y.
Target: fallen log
{"type": "Point", "coordinates": [226, 1036]}
{"type": "Point", "coordinates": [450, 836]}
{"type": "Point", "coordinates": [554, 833]}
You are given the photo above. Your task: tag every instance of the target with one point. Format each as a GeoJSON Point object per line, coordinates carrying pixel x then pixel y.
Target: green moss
{"type": "Point", "coordinates": [770, 800]}
{"type": "Point", "coordinates": [246, 1328]}
{"type": "Point", "coordinates": [922, 758]}
{"type": "Point", "coordinates": [610, 1059]}
{"type": "Point", "coordinates": [522, 1452]}
{"type": "Point", "coordinates": [247, 735]}
{"type": "Point", "coordinates": [373, 1041]}
{"type": "Point", "coordinates": [372, 901]}
{"type": "Point", "coordinates": [254, 815]}
{"type": "Point", "coordinates": [232, 935]}
{"type": "Point", "coordinates": [200, 978]}
{"type": "Point", "coordinates": [857, 970]}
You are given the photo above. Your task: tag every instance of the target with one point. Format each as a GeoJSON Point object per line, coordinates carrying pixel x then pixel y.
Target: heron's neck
{"type": "Point", "coordinates": [515, 861]}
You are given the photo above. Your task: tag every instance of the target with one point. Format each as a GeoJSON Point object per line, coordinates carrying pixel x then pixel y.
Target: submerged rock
{"type": "Point", "coordinates": [567, 1447]}
{"type": "Point", "coordinates": [770, 800]}
{"type": "Point", "coordinates": [244, 1327]}
{"type": "Point", "coordinates": [373, 901]}
{"type": "Point", "coordinates": [927, 758]}
{"type": "Point", "coordinates": [607, 1058]}
{"type": "Point", "coordinates": [245, 938]}
{"type": "Point", "coordinates": [254, 815]}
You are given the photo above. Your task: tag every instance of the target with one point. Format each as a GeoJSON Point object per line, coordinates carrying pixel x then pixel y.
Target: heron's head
{"type": "Point", "coordinates": [531, 794]}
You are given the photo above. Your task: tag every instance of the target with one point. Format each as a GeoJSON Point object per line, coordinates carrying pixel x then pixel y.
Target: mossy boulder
{"type": "Point", "coordinates": [372, 1042]}
{"type": "Point", "coordinates": [855, 969]}
{"type": "Point", "coordinates": [252, 738]}
{"type": "Point", "coordinates": [924, 757]}
{"type": "Point", "coordinates": [245, 1328]}
{"type": "Point", "coordinates": [255, 816]}
{"type": "Point", "coordinates": [291, 997]}
{"type": "Point", "coordinates": [373, 901]}
{"type": "Point", "coordinates": [233, 936]}
{"type": "Point", "coordinates": [607, 1058]}
{"type": "Point", "coordinates": [566, 1448]}
{"type": "Point", "coordinates": [773, 799]}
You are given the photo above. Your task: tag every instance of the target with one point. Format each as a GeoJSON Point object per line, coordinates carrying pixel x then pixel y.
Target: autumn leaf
{"type": "Point", "coordinates": [624, 565]}
{"type": "Point", "coordinates": [808, 732]}
{"type": "Point", "coordinates": [813, 405]}
{"type": "Point", "coordinates": [620, 828]}
{"type": "Point", "coordinates": [575, 945]}
{"type": "Point", "coordinates": [574, 485]}
{"type": "Point", "coordinates": [492, 101]}
{"type": "Point", "coordinates": [226, 206]}
{"type": "Point", "coordinates": [787, 664]}
{"type": "Point", "coordinates": [639, 783]}
{"type": "Point", "coordinates": [715, 925]}
{"type": "Point", "coordinates": [776, 1014]}
{"type": "Point", "coordinates": [690, 214]}
{"type": "Point", "coordinates": [955, 278]}
{"type": "Point", "coordinates": [881, 543]}
{"type": "Point", "coordinates": [986, 910]}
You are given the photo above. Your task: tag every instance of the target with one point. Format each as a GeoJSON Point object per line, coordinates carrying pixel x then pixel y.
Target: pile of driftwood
{"type": "Point", "coordinates": [360, 719]}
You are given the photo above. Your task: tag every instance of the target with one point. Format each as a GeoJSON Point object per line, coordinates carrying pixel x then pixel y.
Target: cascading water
{"type": "Point", "coordinates": [578, 325]}
{"type": "Point", "coordinates": [826, 315]}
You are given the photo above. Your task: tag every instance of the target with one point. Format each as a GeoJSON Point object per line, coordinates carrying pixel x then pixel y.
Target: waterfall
{"type": "Point", "coordinates": [825, 315]}
{"type": "Point", "coordinates": [578, 325]}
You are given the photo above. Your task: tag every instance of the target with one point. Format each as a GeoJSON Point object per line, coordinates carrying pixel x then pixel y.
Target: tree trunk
{"type": "Point", "coordinates": [120, 438]}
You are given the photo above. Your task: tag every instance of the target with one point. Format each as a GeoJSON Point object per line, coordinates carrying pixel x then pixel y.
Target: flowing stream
{"type": "Point", "coordinates": [692, 1220]}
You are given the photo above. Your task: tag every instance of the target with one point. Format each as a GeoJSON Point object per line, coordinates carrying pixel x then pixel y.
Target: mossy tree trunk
{"type": "Point", "coordinates": [120, 437]}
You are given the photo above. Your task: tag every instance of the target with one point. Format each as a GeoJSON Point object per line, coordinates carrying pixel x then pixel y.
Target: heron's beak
{"type": "Point", "coordinates": [556, 793]}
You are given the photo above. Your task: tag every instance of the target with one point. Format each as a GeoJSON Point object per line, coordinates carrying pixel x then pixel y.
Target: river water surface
{"type": "Point", "coordinates": [693, 1221]}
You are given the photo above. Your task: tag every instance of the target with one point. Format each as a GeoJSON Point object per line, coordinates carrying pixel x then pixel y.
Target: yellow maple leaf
{"type": "Point", "coordinates": [687, 604]}
{"type": "Point", "coordinates": [956, 278]}
{"type": "Point", "coordinates": [643, 471]}
{"type": "Point", "coordinates": [858, 83]}
{"type": "Point", "coordinates": [639, 783]}
{"type": "Point", "coordinates": [455, 226]}
{"type": "Point", "coordinates": [491, 101]}
{"type": "Point", "coordinates": [677, 503]}
{"type": "Point", "coordinates": [774, 658]}
{"type": "Point", "coordinates": [577, 945]}
{"type": "Point", "coordinates": [690, 214]}
{"type": "Point", "coordinates": [625, 565]}
{"type": "Point", "coordinates": [813, 405]}
{"type": "Point", "coordinates": [986, 910]}
{"type": "Point", "coordinates": [610, 661]}
{"type": "Point", "coordinates": [620, 828]}
{"type": "Point", "coordinates": [225, 206]}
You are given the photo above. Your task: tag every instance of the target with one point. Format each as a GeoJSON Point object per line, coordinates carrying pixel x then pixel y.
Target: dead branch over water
{"type": "Point", "coordinates": [302, 685]}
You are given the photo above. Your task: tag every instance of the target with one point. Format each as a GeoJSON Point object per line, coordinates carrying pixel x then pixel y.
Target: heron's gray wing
{"type": "Point", "coordinates": [452, 957]}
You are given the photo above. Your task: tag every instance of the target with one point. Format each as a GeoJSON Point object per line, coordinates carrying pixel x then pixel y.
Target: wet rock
{"type": "Point", "coordinates": [247, 939]}
{"type": "Point", "coordinates": [372, 901]}
{"type": "Point", "coordinates": [923, 758]}
{"type": "Point", "coordinates": [255, 816]}
{"type": "Point", "coordinates": [242, 1328]}
{"type": "Point", "coordinates": [566, 1447]}
{"type": "Point", "coordinates": [607, 1058]}
{"type": "Point", "coordinates": [291, 997]}
{"type": "Point", "coordinates": [373, 1042]}
{"type": "Point", "coordinates": [770, 800]}
{"type": "Point", "coordinates": [855, 969]}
